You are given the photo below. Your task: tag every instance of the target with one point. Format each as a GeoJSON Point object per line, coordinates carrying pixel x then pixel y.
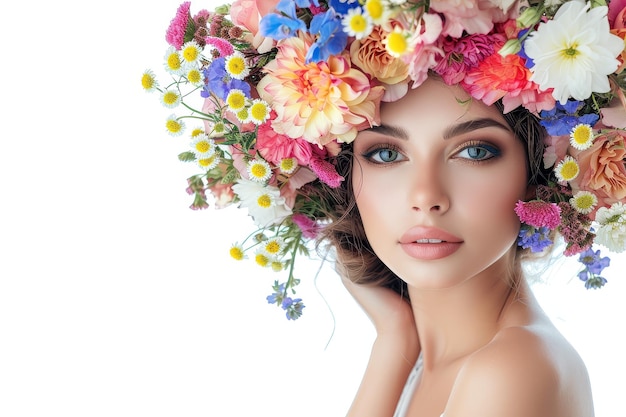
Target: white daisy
{"type": "Point", "coordinates": [236, 67]}
{"type": "Point", "coordinates": [174, 126]}
{"type": "Point", "coordinates": [259, 170]}
{"type": "Point", "coordinates": [170, 98]}
{"type": "Point", "coordinates": [202, 146]}
{"type": "Point", "coordinates": [264, 202]}
{"type": "Point", "coordinates": [567, 169]}
{"type": "Point", "coordinates": [173, 63]}
{"type": "Point", "coordinates": [612, 230]}
{"type": "Point", "coordinates": [574, 52]}
{"type": "Point", "coordinates": [190, 54]}
{"type": "Point", "coordinates": [584, 202]}
{"type": "Point", "coordinates": [149, 81]}
{"type": "Point", "coordinates": [581, 137]}
{"type": "Point", "coordinates": [357, 23]}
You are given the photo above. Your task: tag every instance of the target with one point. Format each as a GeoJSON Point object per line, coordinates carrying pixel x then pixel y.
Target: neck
{"type": "Point", "coordinates": [453, 322]}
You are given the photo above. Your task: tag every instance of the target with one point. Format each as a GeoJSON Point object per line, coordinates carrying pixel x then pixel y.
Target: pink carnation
{"type": "Point", "coordinates": [222, 45]}
{"type": "Point", "coordinates": [326, 172]}
{"type": "Point", "coordinates": [506, 77]}
{"type": "Point", "coordinates": [175, 34]}
{"type": "Point", "coordinates": [275, 147]}
{"type": "Point", "coordinates": [461, 55]}
{"type": "Point", "coordinates": [309, 227]}
{"type": "Point", "coordinates": [539, 213]}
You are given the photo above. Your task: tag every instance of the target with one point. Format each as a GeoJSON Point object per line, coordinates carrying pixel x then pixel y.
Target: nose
{"type": "Point", "coordinates": [429, 192]}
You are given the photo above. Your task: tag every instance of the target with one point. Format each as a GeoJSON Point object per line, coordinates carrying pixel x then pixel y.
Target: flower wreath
{"type": "Point", "coordinates": [282, 83]}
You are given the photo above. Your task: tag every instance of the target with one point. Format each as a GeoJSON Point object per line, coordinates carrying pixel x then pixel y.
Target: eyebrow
{"type": "Point", "coordinates": [450, 132]}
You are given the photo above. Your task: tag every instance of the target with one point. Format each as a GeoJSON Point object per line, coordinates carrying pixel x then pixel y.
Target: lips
{"type": "Point", "coordinates": [429, 243]}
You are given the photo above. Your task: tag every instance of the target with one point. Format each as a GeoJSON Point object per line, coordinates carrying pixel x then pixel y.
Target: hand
{"type": "Point", "coordinates": [388, 311]}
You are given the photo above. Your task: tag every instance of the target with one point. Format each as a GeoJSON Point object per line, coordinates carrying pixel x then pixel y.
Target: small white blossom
{"type": "Point", "coordinates": [264, 202]}
{"type": "Point", "coordinates": [612, 230]}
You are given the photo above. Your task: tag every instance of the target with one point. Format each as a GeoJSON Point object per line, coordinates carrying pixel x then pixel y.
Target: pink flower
{"type": "Point", "coordinates": [224, 47]}
{"type": "Point", "coordinates": [326, 172]}
{"type": "Point", "coordinates": [309, 227]}
{"type": "Point", "coordinates": [472, 16]}
{"type": "Point", "coordinates": [603, 166]}
{"type": "Point", "coordinates": [275, 147]}
{"type": "Point", "coordinates": [425, 52]}
{"type": "Point", "coordinates": [248, 13]}
{"type": "Point", "coordinates": [617, 14]}
{"type": "Point", "coordinates": [175, 34]}
{"type": "Point", "coordinates": [508, 78]}
{"type": "Point", "coordinates": [318, 102]}
{"type": "Point", "coordinates": [539, 213]}
{"type": "Point", "coordinates": [461, 55]}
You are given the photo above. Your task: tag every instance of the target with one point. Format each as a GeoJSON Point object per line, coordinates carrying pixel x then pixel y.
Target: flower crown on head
{"type": "Point", "coordinates": [281, 84]}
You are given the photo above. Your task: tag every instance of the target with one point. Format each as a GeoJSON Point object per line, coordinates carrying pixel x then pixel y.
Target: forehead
{"type": "Point", "coordinates": [436, 104]}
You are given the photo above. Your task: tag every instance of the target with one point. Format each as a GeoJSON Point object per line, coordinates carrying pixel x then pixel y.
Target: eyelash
{"type": "Point", "coordinates": [369, 154]}
{"type": "Point", "coordinates": [491, 149]}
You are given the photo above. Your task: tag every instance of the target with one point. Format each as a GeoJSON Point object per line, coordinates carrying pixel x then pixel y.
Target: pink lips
{"type": "Point", "coordinates": [429, 243]}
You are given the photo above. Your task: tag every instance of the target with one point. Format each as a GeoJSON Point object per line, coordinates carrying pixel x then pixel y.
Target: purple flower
{"type": "Point", "coordinates": [293, 308]}
{"type": "Point", "coordinates": [277, 296]}
{"type": "Point", "coordinates": [594, 264]}
{"type": "Point", "coordinates": [564, 117]}
{"type": "Point", "coordinates": [219, 82]}
{"type": "Point", "coordinates": [534, 238]}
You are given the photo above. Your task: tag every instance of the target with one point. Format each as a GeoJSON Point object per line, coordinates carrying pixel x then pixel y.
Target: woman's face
{"type": "Point", "coordinates": [436, 185]}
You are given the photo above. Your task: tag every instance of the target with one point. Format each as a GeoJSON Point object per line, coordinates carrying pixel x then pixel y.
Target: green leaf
{"type": "Point", "coordinates": [186, 157]}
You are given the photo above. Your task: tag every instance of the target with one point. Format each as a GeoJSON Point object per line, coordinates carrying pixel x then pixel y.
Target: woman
{"type": "Point", "coordinates": [411, 136]}
{"type": "Point", "coordinates": [435, 185]}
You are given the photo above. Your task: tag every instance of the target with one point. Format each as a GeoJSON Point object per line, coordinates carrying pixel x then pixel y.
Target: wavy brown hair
{"type": "Point", "coordinates": [345, 233]}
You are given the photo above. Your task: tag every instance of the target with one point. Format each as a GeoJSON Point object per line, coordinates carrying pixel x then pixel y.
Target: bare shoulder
{"type": "Point", "coordinates": [523, 371]}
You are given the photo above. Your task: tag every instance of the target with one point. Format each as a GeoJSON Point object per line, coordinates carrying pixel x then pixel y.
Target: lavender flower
{"type": "Point", "coordinates": [594, 264]}
{"type": "Point", "coordinates": [534, 238]}
{"type": "Point", "coordinates": [564, 117]}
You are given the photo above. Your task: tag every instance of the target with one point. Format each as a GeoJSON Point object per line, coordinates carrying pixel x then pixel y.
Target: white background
{"type": "Point", "coordinates": [117, 300]}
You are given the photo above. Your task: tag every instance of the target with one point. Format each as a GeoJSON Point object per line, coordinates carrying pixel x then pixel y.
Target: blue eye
{"type": "Point", "coordinates": [384, 155]}
{"type": "Point", "coordinates": [480, 152]}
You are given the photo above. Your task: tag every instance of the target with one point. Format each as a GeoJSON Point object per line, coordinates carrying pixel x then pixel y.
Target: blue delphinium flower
{"type": "Point", "coordinates": [594, 264]}
{"type": "Point", "coordinates": [282, 26]}
{"type": "Point", "coordinates": [342, 6]}
{"type": "Point", "coordinates": [220, 83]}
{"type": "Point", "coordinates": [293, 307]}
{"type": "Point", "coordinates": [534, 238]}
{"type": "Point", "coordinates": [564, 117]}
{"type": "Point", "coordinates": [277, 296]}
{"type": "Point", "coordinates": [331, 39]}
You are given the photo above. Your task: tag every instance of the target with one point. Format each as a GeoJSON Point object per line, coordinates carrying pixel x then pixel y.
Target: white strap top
{"type": "Point", "coordinates": [409, 389]}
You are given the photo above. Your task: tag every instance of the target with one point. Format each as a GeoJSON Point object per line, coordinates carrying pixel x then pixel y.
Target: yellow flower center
{"type": "Point", "coordinates": [569, 170]}
{"type": "Point", "coordinates": [258, 170]}
{"type": "Point", "coordinates": [585, 201]}
{"type": "Point", "coordinates": [272, 247]}
{"type": "Point", "coordinates": [258, 111]}
{"type": "Point", "coordinates": [277, 266]}
{"type": "Point", "coordinates": [173, 62]}
{"type": "Point", "coordinates": [571, 51]}
{"type": "Point", "coordinates": [170, 97]}
{"type": "Point", "coordinates": [261, 259]}
{"type": "Point", "coordinates": [582, 136]}
{"type": "Point", "coordinates": [236, 253]}
{"type": "Point", "coordinates": [287, 165]}
{"type": "Point", "coordinates": [264, 201]}
{"type": "Point", "coordinates": [147, 81]}
{"type": "Point", "coordinates": [173, 126]}
{"type": "Point", "coordinates": [243, 115]}
{"type": "Point", "coordinates": [205, 162]}
{"type": "Point", "coordinates": [374, 9]}
{"type": "Point", "coordinates": [203, 146]}
{"type": "Point", "coordinates": [194, 76]}
{"type": "Point", "coordinates": [219, 128]}
{"type": "Point", "coordinates": [190, 53]}
{"type": "Point", "coordinates": [396, 44]}
{"type": "Point", "coordinates": [236, 100]}
{"type": "Point", "coordinates": [197, 131]}
{"type": "Point", "coordinates": [236, 65]}
{"type": "Point", "coordinates": [358, 23]}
